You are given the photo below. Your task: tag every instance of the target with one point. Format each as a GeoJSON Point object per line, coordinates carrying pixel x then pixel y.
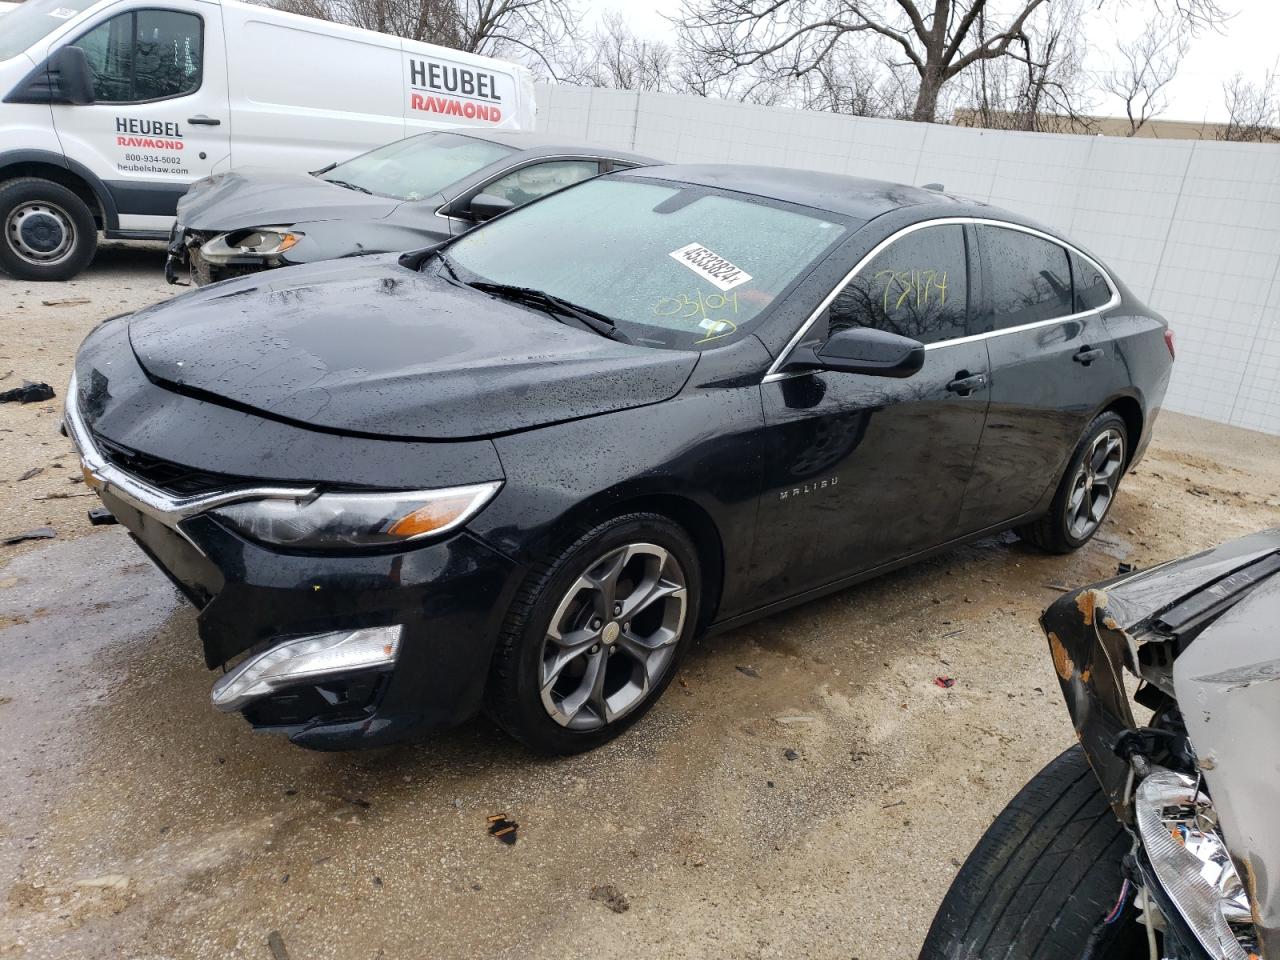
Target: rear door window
{"type": "Point", "coordinates": [1027, 279]}
{"type": "Point", "coordinates": [145, 55]}
{"type": "Point", "coordinates": [916, 287]}
{"type": "Point", "coordinates": [1091, 286]}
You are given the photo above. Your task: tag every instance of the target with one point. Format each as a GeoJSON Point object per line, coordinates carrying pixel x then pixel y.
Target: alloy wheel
{"type": "Point", "coordinates": [613, 636]}
{"type": "Point", "coordinates": [40, 233]}
{"type": "Point", "coordinates": [1094, 486]}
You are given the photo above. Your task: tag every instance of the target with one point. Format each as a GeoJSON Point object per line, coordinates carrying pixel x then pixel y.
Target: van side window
{"type": "Point", "coordinates": [1091, 286]}
{"type": "Point", "coordinates": [539, 179]}
{"type": "Point", "coordinates": [1027, 279]}
{"type": "Point", "coordinates": [917, 287]}
{"type": "Point", "coordinates": [145, 55]}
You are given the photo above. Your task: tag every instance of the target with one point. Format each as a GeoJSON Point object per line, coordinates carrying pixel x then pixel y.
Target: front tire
{"type": "Point", "coordinates": [1042, 879]}
{"type": "Point", "coordinates": [47, 233]}
{"type": "Point", "coordinates": [594, 635]}
{"type": "Point", "coordinates": [1087, 490]}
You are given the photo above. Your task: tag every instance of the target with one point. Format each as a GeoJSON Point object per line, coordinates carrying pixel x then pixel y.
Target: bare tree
{"type": "Point", "coordinates": [760, 42]}
{"type": "Point", "coordinates": [1041, 85]}
{"type": "Point", "coordinates": [1146, 65]}
{"type": "Point", "coordinates": [532, 31]}
{"type": "Point", "coordinates": [613, 56]}
{"type": "Point", "coordinates": [1253, 111]}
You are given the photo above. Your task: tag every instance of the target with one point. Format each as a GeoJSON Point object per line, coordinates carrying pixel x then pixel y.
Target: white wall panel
{"type": "Point", "coordinates": [1193, 227]}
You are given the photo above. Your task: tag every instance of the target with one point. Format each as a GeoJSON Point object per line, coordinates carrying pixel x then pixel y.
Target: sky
{"type": "Point", "coordinates": [1248, 43]}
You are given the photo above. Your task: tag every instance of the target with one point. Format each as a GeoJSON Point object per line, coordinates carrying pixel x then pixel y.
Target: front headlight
{"type": "Point", "coordinates": [263, 242]}
{"type": "Point", "coordinates": [355, 520]}
{"type": "Point", "coordinates": [1178, 826]}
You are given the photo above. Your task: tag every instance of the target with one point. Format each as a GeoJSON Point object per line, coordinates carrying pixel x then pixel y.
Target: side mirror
{"type": "Point", "coordinates": [865, 350]}
{"type": "Point", "coordinates": [63, 78]}
{"type": "Point", "coordinates": [485, 206]}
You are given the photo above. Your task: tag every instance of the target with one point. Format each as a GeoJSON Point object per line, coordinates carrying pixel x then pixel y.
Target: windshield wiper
{"type": "Point", "coordinates": [599, 322]}
{"type": "Point", "coordinates": [350, 186]}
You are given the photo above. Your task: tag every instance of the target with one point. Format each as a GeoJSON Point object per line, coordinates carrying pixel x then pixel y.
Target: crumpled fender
{"type": "Point", "coordinates": [1090, 653]}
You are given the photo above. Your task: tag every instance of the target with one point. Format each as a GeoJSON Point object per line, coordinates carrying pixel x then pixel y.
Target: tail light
{"type": "Point", "coordinates": [1168, 342]}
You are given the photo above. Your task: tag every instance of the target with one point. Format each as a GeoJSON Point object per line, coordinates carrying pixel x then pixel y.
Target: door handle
{"type": "Point", "coordinates": [203, 121]}
{"type": "Point", "coordinates": [966, 383]}
{"type": "Point", "coordinates": [1086, 355]}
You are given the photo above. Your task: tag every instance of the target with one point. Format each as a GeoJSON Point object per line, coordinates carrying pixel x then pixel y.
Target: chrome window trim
{"type": "Point", "coordinates": [598, 158]}
{"type": "Point", "coordinates": [774, 372]}
{"type": "Point", "coordinates": [143, 497]}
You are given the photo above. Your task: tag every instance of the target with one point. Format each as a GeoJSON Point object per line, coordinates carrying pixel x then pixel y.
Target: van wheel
{"type": "Point", "coordinates": [46, 231]}
{"type": "Point", "coordinates": [1087, 490]}
{"type": "Point", "coordinates": [1045, 881]}
{"type": "Point", "coordinates": [594, 635]}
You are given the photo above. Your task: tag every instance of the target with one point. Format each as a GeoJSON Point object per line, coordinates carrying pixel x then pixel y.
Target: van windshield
{"type": "Point", "coordinates": [34, 20]}
{"type": "Point", "coordinates": [418, 167]}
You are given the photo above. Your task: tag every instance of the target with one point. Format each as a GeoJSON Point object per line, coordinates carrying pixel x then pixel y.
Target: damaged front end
{"type": "Point", "coordinates": [1194, 784]}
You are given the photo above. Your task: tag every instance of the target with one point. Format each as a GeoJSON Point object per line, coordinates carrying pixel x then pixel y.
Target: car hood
{"type": "Point", "coordinates": [369, 347]}
{"type": "Point", "coordinates": [249, 197]}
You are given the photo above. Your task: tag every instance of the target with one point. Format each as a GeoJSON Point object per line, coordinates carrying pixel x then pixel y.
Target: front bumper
{"type": "Point", "coordinates": [449, 596]}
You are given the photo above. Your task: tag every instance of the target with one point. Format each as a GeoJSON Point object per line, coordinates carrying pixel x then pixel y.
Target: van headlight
{"type": "Point", "coordinates": [258, 243]}
{"type": "Point", "coordinates": [1179, 831]}
{"type": "Point", "coordinates": [336, 521]}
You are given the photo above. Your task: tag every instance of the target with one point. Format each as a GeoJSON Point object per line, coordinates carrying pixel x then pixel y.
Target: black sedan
{"type": "Point", "coordinates": [524, 468]}
{"type": "Point", "coordinates": [401, 196]}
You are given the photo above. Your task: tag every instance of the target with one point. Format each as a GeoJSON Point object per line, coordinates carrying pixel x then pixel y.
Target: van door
{"type": "Point", "coordinates": [159, 120]}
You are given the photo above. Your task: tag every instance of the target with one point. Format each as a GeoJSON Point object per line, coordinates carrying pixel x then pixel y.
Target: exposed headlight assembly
{"type": "Point", "coordinates": [1179, 832]}
{"type": "Point", "coordinates": [261, 243]}
{"type": "Point", "coordinates": [357, 520]}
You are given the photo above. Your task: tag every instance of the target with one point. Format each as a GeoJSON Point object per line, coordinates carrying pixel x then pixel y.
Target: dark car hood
{"type": "Point", "coordinates": [251, 197]}
{"type": "Point", "coordinates": [367, 346]}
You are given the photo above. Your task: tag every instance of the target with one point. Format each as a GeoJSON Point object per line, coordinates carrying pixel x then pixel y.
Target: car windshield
{"type": "Point", "coordinates": [35, 20]}
{"type": "Point", "coordinates": [673, 265]}
{"type": "Point", "coordinates": [418, 167]}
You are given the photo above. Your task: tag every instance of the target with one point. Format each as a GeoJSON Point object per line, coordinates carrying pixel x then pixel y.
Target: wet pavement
{"type": "Point", "coordinates": [816, 803]}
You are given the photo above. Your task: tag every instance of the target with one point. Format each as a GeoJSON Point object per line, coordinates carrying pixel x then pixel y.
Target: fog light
{"type": "Point", "coordinates": [306, 658]}
{"type": "Point", "coordinates": [1179, 832]}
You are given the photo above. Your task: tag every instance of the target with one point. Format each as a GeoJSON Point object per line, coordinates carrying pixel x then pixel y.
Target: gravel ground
{"type": "Point", "coordinates": [142, 823]}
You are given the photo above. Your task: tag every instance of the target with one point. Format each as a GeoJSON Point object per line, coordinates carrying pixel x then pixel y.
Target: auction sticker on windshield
{"type": "Point", "coordinates": [710, 266]}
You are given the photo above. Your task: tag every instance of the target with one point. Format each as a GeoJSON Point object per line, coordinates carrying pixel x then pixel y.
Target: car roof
{"type": "Point", "coordinates": [855, 197]}
{"type": "Point", "coordinates": [537, 144]}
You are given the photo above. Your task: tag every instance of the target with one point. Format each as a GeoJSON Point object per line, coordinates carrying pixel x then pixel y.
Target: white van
{"type": "Point", "coordinates": [110, 109]}
{"type": "Point", "coordinates": [6, 7]}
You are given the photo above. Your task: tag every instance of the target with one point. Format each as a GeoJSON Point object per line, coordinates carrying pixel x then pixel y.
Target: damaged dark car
{"type": "Point", "coordinates": [1156, 838]}
{"type": "Point", "coordinates": [400, 196]}
{"type": "Point", "coordinates": [524, 468]}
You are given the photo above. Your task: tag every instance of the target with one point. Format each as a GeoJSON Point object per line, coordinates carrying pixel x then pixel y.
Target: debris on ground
{"type": "Point", "coordinates": [101, 517]}
{"type": "Point", "coordinates": [503, 829]}
{"type": "Point", "coordinates": [946, 683]}
{"type": "Point", "coordinates": [60, 495]}
{"type": "Point", "coordinates": [611, 897]}
{"type": "Point", "coordinates": [66, 302]}
{"type": "Point", "coordinates": [749, 671]}
{"type": "Point", "coordinates": [39, 533]}
{"type": "Point", "coordinates": [275, 943]}
{"type": "Point", "coordinates": [1123, 568]}
{"type": "Point", "coordinates": [111, 881]}
{"type": "Point", "coordinates": [33, 472]}
{"type": "Point", "coordinates": [28, 393]}
{"type": "Point", "coordinates": [788, 718]}
{"type": "Point", "coordinates": [790, 754]}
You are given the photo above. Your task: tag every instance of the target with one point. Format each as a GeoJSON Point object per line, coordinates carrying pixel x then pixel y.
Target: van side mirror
{"type": "Point", "coordinates": [486, 206]}
{"type": "Point", "coordinates": [864, 350]}
{"type": "Point", "coordinates": [63, 78]}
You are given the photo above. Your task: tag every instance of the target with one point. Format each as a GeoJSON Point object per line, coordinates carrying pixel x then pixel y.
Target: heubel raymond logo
{"type": "Point", "coordinates": [454, 91]}
{"type": "Point", "coordinates": [148, 134]}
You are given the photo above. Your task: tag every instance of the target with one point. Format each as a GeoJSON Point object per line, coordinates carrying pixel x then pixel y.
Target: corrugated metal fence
{"type": "Point", "coordinates": [1193, 227]}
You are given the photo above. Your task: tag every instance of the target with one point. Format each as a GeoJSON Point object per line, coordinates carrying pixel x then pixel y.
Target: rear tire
{"type": "Point", "coordinates": [47, 233]}
{"type": "Point", "coordinates": [1040, 881]}
{"type": "Point", "coordinates": [620, 605]}
{"type": "Point", "coordinates": [1068, 526]}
